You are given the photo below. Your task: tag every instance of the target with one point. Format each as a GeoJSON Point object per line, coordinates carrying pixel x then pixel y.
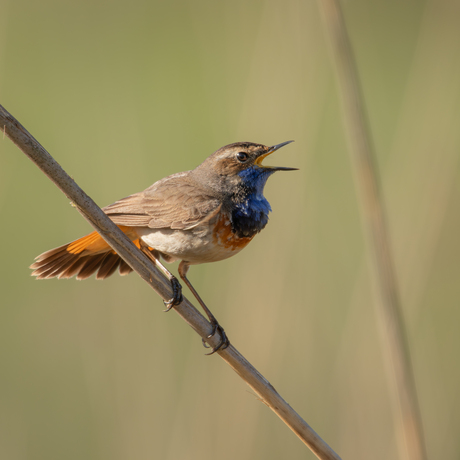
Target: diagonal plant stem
{"type": "Point", "coordinates": [148, 272]}
{"type": "Point", "coordinates": [393, 335]}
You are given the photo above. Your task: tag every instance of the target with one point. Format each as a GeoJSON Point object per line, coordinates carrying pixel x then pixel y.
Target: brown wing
{"type": "Point", "coordinates": [172, 202]}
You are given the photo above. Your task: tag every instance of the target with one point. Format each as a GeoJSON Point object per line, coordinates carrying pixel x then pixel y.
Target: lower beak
{"type": "Point", "coordinates": [276, 147]}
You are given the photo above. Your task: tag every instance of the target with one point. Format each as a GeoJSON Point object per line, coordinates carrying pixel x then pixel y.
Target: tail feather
{"type": "Point", "coordinates": [124, 269]}
{"type": "Point", "coordinates": [83, 257]}
{"type": "Point", "coordinates": [72, 268]}
{"type": "Point", "coordinates": [108, 266]}
{"type": "Point", "coordinates": [49, 255]}
{"type": "Point", "coordinates": [57, 256]}
{"type": "Point", "coordinates": [91, 265]}
{"type": "Point", "coordinates": [43, 271]}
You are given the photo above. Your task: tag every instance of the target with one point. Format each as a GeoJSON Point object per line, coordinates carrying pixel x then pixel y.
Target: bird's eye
{"type": "Point", "coordinates": [242, 157]}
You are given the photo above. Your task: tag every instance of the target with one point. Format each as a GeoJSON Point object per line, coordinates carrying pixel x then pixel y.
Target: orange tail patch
{"type": "Point", "coordinates": [83, 257]}
{"type": "Point", "coordinates": [94, 243]}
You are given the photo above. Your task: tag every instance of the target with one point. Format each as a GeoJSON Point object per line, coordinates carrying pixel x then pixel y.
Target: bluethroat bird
{"type": "Point", "coordinates": [204, 215]}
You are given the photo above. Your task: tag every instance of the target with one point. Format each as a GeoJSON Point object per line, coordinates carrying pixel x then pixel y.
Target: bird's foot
{"type": "Point", "coordinates": [177, 294]}
{"type": "Point", "coordinates": [224, 343]}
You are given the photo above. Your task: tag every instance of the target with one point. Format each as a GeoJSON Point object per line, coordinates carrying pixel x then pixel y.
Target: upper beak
{"type": "Point", "coordinates": [276, 147]}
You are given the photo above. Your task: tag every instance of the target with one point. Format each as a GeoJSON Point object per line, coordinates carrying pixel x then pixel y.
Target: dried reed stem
{"type": "Point", "coordinates": [147, 271]}
{"type": "Point", "coordinates": [395, 344]}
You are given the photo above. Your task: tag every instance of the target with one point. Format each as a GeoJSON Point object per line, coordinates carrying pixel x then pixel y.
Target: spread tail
{"type": "Point", "coordinates": [83, 257]}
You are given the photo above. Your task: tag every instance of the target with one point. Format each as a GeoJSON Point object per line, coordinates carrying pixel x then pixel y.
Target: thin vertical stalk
{"type": "Point", "coordinates": [361, 148]}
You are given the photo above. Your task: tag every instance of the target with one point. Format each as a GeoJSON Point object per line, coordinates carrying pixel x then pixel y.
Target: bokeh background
{"type": "Point", "coordinates": [124, 93]}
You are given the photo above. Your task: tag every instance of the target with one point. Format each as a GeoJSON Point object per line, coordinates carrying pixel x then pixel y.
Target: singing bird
{"type": "Point", "coordinates": [204, 215]}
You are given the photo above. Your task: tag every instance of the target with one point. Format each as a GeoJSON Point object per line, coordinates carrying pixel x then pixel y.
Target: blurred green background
{"type": "Point", "coordinates": [124, 93]}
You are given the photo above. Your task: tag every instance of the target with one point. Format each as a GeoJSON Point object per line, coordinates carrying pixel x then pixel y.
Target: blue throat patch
{"type": "Point", "coordinates": [250, 213]}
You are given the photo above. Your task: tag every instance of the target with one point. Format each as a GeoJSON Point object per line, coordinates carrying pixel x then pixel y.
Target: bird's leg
{"type": "Point", "coordinates": [183, 268]}
{"type": "Point", "coordinates": [154, 256]}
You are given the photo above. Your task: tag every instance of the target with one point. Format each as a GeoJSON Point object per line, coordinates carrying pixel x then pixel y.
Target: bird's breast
{"type": "Point", "coordinates": [250, 216]}
{"type": "Point", "coordinates": [209, 242]}
{"type": "Point", "coordinates": [226, 238]}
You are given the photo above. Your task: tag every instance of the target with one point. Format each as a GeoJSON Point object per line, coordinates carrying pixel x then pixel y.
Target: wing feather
{"type": "Point", "coordinates": [173, 202]}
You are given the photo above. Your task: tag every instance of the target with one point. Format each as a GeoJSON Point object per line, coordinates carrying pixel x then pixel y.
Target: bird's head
{"type": "Point", "coordinates": [240, 163]}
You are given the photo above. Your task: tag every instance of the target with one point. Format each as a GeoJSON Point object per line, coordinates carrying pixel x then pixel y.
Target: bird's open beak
{"type": "Point", "coordinates": [276, 147]}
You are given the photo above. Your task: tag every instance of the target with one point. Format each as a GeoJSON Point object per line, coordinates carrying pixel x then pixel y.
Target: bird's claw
{"type": "Point", "coordinates": [224, 343]}
{"type": "Point", "coordinates": [177, 298]}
